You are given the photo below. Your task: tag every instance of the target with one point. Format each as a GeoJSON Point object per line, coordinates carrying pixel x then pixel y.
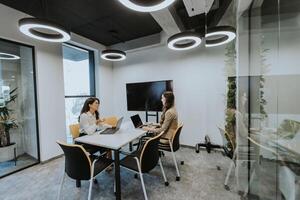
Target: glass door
{"type": "Point", "coordinates": [19, 147]}
{"type": "Point", "coordinates": [268, 98]}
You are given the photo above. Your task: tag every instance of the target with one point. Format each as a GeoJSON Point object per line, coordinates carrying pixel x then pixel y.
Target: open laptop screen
{"type": "Point", "coordinates": [136, 120]}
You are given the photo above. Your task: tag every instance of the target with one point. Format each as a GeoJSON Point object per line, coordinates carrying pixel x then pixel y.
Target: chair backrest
{"type": "Point", "coordinates": [74, 129]}
{"type": "Point", "coordinates": [77, 163]}
{"type": "Point", "coordinates": [175, 140]}
{"type": "Point", "coordinates": [111, 121]}
{"type": "Point", "coordinates": [222, 133]}
{"type": "Point", "coordinates": [149, 154]}
{"type": "Point", "coordinates": [227, 151]}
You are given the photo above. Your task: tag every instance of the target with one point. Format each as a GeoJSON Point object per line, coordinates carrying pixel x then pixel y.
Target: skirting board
{"type": "Point", "coordinates": [56, 157]}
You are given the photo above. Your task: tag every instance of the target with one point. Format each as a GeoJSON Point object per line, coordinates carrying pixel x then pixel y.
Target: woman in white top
{"type": "Point", "coordinates": [90, 122]}
{"type": "Point", "coordinates": [89, 119]}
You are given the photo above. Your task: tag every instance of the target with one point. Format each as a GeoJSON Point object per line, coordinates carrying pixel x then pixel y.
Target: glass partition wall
{"type": "Point", "coordinates": [19, 147]}
{"type": "Point", "coordinates": [268, 98]}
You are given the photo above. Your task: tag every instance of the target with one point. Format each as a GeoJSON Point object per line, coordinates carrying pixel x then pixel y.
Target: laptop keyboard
{"type": "Point", "coordinates": [108, 131]}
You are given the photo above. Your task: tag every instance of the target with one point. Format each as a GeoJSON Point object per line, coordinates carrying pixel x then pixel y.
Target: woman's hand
{"type": "Point", "coordinates": [99, 121]}
{"type": "Point", "coordinates": [102, 119]}
{"type": "Point", "coordinates": [146, 128]}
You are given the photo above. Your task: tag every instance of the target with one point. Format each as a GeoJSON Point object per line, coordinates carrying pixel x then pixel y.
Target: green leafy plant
{"type": "Point", "coordinates": [6, 122]}
{"type": "Point", "coordinates": [288, 129]}
{"type": "Point", "coordinates": [264, 68]}
{"type": "Point", "coordinates": [230, 118]}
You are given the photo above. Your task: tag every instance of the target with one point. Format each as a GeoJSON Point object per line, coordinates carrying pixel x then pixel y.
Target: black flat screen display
{"type": "Point", "coordinates": [146, 96]}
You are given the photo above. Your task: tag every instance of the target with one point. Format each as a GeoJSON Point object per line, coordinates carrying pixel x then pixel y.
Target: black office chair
{"type": "Point", "coordinates": [144, 160]}
{"type": "Point", "coordinates": [172, 145]}
{"type": "Point", "coordinates": [80, 166]}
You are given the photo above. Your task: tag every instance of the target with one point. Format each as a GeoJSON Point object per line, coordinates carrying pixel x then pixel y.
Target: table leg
{"type": "Point", "coordinates": [117, 174]}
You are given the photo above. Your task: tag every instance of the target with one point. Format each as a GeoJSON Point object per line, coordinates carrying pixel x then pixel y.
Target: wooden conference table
{"type": "Point", "coordinates": [115, 142]}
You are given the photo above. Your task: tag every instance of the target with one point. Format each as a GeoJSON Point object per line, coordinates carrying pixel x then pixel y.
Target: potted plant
{"type": "Point", "coordinates": [6, 121]}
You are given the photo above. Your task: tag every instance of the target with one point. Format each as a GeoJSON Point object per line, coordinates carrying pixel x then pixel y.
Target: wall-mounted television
{"type": "Point", "coordinates": [146, 96]}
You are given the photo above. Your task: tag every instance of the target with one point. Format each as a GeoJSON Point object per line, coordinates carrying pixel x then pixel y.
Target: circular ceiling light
{"type": "Point", "coordinates": [146, 6]}
{"type": "Point", "coordinates": [184, 41]}
{"type": "Point", "coordinates": [39, 29]}
{"type": "Point", "coordinates": [7, 56]}
{"type": "Point", "coordinates": [219, 35]}
{"type": "Point", "coordinates": [113, 55]}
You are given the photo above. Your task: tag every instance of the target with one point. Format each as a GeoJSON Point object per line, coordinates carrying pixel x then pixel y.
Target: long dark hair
{"type": "Point", "coordinates": [170, 100]}
{"type": "Point", "coordinates": [86, 106]}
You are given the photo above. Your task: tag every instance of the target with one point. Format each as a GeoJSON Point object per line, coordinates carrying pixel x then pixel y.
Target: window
{"type": "Point", "coordinates": [79, 81]}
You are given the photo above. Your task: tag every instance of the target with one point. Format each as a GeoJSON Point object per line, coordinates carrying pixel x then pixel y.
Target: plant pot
{"type": "Point", "coordinates": [4, 137]}
{"type": "Point", "coordinates": [7, 153]}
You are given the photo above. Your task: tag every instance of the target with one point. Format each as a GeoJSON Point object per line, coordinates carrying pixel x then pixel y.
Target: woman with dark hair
{"type": "Point", "coordinates": [89, 119]}
{"type": "Point", "coordinates": [169, 118]}
{"type": "Point", "coordinates": [90, 122]}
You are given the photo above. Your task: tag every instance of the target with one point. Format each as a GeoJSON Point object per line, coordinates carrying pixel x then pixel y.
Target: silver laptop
{"type": "Point", "coordinates": [113, 129]}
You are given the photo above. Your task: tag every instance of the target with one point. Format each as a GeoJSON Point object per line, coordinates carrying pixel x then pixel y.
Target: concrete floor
{"type": "Point", "coordinates": [200, 179]}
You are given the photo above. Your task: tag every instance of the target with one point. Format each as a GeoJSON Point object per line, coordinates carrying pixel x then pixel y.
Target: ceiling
{"type": "Point", "coordinates": [104, 21]}
{"type": "Point", "coordinates": [109, 22]}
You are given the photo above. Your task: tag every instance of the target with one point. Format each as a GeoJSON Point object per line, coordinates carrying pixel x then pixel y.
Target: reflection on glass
{"type": "Point", "coordinates": [270, 60]}
{"type": "Point", "coordinates": [18, 123]}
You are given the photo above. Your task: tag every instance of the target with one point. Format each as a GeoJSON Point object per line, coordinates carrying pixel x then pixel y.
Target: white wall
{"type": "Point", "coordinates": [199, 85]}
{"type": "Point", "coordinates": [49, 73]}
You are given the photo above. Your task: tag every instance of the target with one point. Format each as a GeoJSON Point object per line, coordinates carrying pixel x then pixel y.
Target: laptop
{"type": "Point", "coordinates": [113, 129]}
{"type": "Point", "coordinates": [137, 122]}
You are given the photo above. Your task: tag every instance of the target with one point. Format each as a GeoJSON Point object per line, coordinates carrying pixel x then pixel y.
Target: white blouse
{"type": "Point", "coordinates": [88, 123]}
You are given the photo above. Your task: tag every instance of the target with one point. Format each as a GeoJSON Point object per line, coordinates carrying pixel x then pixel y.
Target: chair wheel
{"type": "Point", "coordinates": [95, 181]}
{"type": "Point", "coordinates": [218, 168]}
{"type": "Point", "coordinates": [227, 187]}
{"type": "Point", "coordinates": [166, 183]}
{"type": "Point", "coordinates": [136, 176]}
{"type": "Point", "coordinates": [177, 178]}
{"type": "Point", "coordinates": [182, 162]}
{"type": "Point", "coordinates": [197, 151]}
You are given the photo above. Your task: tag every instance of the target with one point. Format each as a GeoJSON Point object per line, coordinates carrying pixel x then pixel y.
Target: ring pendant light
{"type": "Point", "coordinates": [184, 41]}
{"type": "Point", "coordinates": [146, 6]}
{"type": "Point", "coordinates": [32, 27]}
{"type": "Point", "coordinates": [113, 55]}
{"type": "Point", "coordinates": [8, 56]}
{"type": "Point", "coordinates": [225, 35]}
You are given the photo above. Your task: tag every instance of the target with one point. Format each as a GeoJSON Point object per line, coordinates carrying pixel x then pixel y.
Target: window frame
{"type": "Point", "coordinates": [92, 76]}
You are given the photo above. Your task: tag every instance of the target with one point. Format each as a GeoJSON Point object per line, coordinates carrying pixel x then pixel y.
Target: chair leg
{"type": "Point", "coordinates": [78, 183]}
{"type": "Point", "coordinates": [141, 177]}
{"type": "Point", "coordinates": [114, 186]}
{"type": "Point", "coordinates": [163, 172]}
{"type": "Point", "coordinates": [175, 162]}
{"type": "Point", "coordinates": [228, 174]}
{"type": "Point", "coordinates": [90, 188]}
{"type": "Point", "coordinates": [91, 180]}
{"type": "Point", "coordinates": [229, 171]}
{"type": "Point", "coordinates": [250, 181]}
{"type": "Point", "coordinates": [61, 186]}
